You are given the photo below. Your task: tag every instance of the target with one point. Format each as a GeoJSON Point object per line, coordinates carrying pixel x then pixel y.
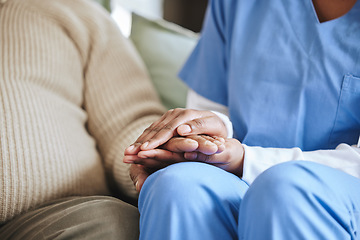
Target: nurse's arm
{"type": "Point", "coordinates": [257, 159]}
{"type": "Point", "coordinates": [345, 158]}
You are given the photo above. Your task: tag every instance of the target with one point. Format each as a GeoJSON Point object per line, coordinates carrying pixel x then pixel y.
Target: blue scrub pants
{"type": "Point", "coordinates": [293, 200]}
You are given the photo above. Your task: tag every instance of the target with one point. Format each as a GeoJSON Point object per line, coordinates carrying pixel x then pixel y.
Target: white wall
{"type": "Point", "coordinates": [150, 8]}
{"type": "Point", "coordinates": [121, 11]}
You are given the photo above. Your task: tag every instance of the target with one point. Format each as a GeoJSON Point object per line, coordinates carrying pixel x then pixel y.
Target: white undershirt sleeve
{"type": "Point", "coordinates": [195, 101]}
{"type": "Point", "coordinates": [257, 159]}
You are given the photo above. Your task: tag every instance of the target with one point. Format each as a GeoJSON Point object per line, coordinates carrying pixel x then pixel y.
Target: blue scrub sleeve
{"type": "Point", "coordinates": [205, 70]}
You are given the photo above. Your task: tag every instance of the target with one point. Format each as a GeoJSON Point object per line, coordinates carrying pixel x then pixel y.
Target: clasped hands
{"type": "Point", "coordinates": [183, 135]}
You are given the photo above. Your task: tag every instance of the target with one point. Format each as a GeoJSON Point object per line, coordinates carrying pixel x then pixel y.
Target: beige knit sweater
{"type": "Point", "coordinates": [73, 95]}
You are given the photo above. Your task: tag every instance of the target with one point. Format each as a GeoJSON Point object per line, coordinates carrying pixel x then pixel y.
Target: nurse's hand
{"type": "Point", "coordinates": [175, 149]}
{"type": "Point", "coordinates": [142, 166]}
{"type": "Point", "coordinates": [178, 122]}
{"type": "Point", "coordinates": [228, 156]}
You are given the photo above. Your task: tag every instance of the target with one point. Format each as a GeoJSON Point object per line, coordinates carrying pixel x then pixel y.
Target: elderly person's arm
{"type": "Point", "coordinates": [119, 98]}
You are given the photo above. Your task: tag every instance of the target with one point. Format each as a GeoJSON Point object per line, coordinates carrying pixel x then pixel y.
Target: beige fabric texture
{"type": "Point", "coordinates": [73, 95]}
{"type": "Point", "coordinates": [80, 218]}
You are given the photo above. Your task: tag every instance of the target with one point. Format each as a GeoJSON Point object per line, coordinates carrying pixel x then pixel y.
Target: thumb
{"type": "Point", "coordinates": [140, 181]}
{"type": "Point", "coordinates": [211, 125]}
{"type": "Point", "coordinates": [138, 175]}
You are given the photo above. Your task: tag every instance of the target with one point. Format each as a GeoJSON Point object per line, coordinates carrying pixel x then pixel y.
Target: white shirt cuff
{"type": "Point", "coordinates": [227, 123]}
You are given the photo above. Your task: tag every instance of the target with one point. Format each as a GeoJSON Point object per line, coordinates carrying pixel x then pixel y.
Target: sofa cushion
{"type": "Point", "coordinates": [104, 3]}
{"type": "Point", "coordinates": [164, 47]}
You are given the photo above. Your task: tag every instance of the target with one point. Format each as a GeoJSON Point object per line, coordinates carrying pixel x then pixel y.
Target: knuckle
{"type": "Point", "coordinates": [155, 129]}
{"type": "Point", "coordinates": [177, 110]}
{"type": "Point", "coordinates": [186, 112]}
{"type": "Point", "coordinates": [170, 111]}
{"type": "Point", "coordinates": [133, 177]}
{"type": "Point", "coordinates": [198, 123]}
{"type": "Point", "coordinates": [205, 158]}
{"type": "Point", "coordinates": [168, 127]}
{"type": "Point", "coordinates": [148, 129]}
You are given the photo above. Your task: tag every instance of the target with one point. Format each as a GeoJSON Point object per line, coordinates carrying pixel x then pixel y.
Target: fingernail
{"type": "Point", "coordinates": [191, 141]}
{"type": "Point", "coordinates": [190, 155]}
{"type": "Point", "coordinates": [137, 186]}
{"type": "Point", "coordinates": [144, 145]}
{"type": "Point", "coordinates": [131, 147]}
{"type": "Point", "coordinates": [220, 139]}
{"type": "Point", "coordinates": [184, 129]}
{"type": "Point", "coordinates": [208, 143]}
{"type": "Point", "coordinates": [127, 161]}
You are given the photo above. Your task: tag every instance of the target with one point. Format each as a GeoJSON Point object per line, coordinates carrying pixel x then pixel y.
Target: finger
{"type": "Point", "coordinates": [181, 144]}
{"type": "Point", "coordinates": [192, 156]}
{"type": "Point", "coordinates": [154, 159]}
{"type": "Point", "coordinates": [138, 175]}
{"type": "Point", "coordinates": [161, 125]}
{"type": "Point", "coordinates": [161, 155]}
{"type": "Point", "coordinates": [168, 130]}
{"type": "Point", "coordinates": [148, 132]}
{"type": "Point", "coordinates": [211, 159]}
{"type": "Point", "coordinates": [139, 183]}
{"type": "Point", "coordinates": [202, 143]}
{"type": "Point", "coordinates": [209, 125]}
{"type": "Point", "coordinates": [220, 143]}
{"type": "Point", "coordinates": [201, 157]}
{"type": "Point", "coordinates": [130, 158]}
{"type": "Point", "coordinates": [146, 157]}
{"type": "Point", "coordinates": [152, 163]}
{"type": "Point", "coordinates": [163, 131]}
{"type": "Point", "coordinates": [231, 159]}
{"type": "Point", "coordinates": [132, 149]}
{"type": "Point", "coordinates": [206, 144]}
{"type": "Point", "coordinates": [220, 139]}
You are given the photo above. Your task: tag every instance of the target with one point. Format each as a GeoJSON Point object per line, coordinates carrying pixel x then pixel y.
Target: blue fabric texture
{"type": "Point", "coordinates": [301, 200]}
{"type": "Point", "coordinates": [190, 201]}
{"type": "Point", "coordinates": [293, 200]}
{"type": "Point", "coordinates": [287, 79]}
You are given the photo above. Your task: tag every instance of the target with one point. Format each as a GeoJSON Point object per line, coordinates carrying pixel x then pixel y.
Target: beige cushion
{"type": "Point", "coordinates": [104, 3]}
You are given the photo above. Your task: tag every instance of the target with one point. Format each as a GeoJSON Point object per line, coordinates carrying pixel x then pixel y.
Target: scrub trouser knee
{"type": "Point", "coordinates": [190, 201]}
{"type": "Point", "coordinates": [301, 200]}
{"type": "Point", "coordinates": [294, 200]}
{"type": "Point", "coordinates": [94, 217]}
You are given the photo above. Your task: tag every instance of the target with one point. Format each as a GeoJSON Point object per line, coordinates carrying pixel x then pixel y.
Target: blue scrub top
{"type": "Point", "coordinates": [287, 79]}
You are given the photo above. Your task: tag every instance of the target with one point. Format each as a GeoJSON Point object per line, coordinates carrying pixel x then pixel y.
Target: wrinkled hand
{"type": "Point", "coordinates": [227, 154]}
{"type": "Point", "coordinates": [139, 174]}
{"type": "Point", "coordinates": [178, 122]}
{"type": "Point", "coordinates": [142, 165]}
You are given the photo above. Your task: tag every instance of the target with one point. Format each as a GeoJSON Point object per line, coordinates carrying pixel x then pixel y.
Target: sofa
{"type": "Point", "coordinates": [164, 48]}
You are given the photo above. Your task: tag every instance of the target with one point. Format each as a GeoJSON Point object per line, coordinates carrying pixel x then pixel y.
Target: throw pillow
{"type": "Point", "coordinates": [164, 47]}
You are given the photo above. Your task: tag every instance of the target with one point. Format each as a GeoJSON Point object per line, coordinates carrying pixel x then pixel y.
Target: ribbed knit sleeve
{"type": "Point", "coordinates": [119, 98]}
{"type": "Point", "coordinates": [73, 95]}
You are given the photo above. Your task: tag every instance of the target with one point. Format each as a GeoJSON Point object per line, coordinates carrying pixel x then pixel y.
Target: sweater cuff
{"type": "Point", "coordinates": [120, 170]}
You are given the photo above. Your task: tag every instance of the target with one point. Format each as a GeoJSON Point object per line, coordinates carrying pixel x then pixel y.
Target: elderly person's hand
{"type": "Point", "coordinates": [227, 154]}
{"type": "Point", "coordinates": [178, 122]}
